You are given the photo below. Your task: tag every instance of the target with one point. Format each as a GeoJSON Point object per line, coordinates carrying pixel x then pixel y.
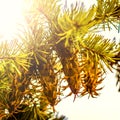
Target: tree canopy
{"type": "Point", "coordinates": [56, 49]}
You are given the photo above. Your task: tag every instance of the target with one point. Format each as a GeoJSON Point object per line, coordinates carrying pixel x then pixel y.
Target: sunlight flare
{"type": "Point", "coordinates": [10, 16]}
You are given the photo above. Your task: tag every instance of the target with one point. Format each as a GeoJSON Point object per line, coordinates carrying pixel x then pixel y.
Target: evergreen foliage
{"type": "Point", "coordinates": [56, 46]}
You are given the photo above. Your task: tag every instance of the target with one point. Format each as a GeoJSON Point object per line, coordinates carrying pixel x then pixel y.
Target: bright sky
{"type": "Point", "coordinates": [10, 15]}
{"type": "Point", "coordinates": [105, 107]}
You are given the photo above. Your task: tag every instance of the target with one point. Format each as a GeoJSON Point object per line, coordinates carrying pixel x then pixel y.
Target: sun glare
{"type": "Point", "coordinates": [10, 16]}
